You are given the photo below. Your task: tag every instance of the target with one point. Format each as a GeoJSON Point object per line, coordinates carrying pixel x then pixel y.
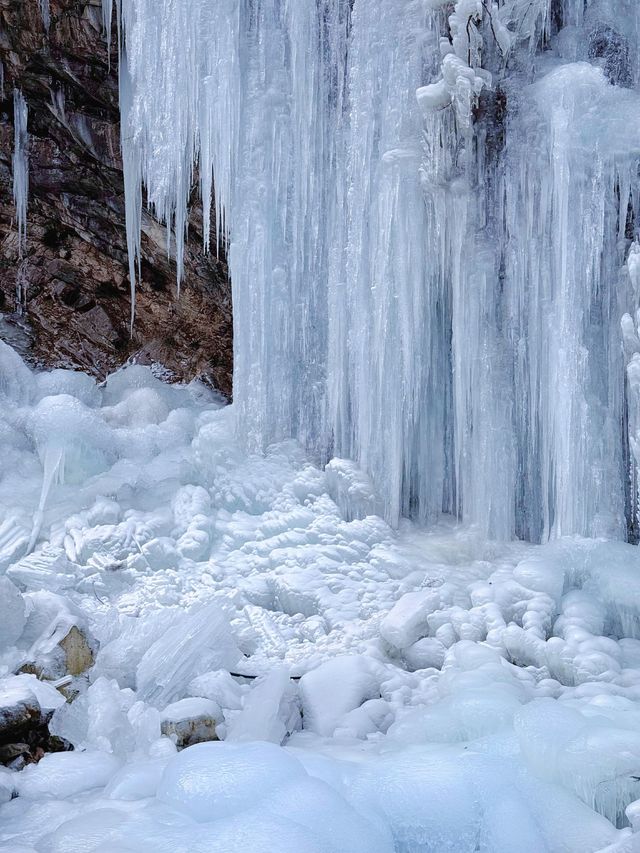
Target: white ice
{"type": "Point", "coordinates": [417, 690]}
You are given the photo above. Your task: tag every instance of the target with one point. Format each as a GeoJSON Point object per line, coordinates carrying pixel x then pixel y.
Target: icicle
{"type": "Point", "coordinates": [46, 15]}
{"type": "Point", "coordinates": [107, 18]}
{"type": "Point", "coordinates": [20, 167]}
{"type": "Point", "coordinates": [132, 184]}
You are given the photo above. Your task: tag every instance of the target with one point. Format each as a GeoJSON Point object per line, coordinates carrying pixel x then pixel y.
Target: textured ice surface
{"type": "Point", "coordinates": [433, 690]}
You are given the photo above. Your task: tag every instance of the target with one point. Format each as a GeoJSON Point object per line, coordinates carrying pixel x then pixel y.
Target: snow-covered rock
{"type": "Point", "coordinates": [190, 721]}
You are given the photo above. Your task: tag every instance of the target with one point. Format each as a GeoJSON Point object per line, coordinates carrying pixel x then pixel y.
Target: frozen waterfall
{"type": "Point", "coordinates": [428, 208]}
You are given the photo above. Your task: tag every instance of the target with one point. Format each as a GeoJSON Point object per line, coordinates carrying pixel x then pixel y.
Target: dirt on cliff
{"type": "Point", "coordinates": [64, 300]}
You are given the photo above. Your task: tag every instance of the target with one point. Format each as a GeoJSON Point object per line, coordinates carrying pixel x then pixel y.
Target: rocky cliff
{"type": "Point", "coordinates": [65, 298]}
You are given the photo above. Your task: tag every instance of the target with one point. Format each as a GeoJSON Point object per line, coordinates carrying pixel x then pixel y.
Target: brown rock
{"type": "Point", "coordinates": [78, 652]}
{"type": "Point", "coordinates": [74, 273]}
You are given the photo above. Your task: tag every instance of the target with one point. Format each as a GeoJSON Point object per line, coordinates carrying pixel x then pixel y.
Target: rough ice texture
{"type": "Point", "coordinates": [448, 690]}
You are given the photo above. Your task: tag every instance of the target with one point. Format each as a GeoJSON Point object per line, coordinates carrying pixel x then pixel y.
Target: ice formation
{"type": "Point", "coordinates": [20, 165]}
{"type": "Point", "coordinates": [430, 215]}
{"type": "Point", "coordinates": [417, 690]}
{"type": "Point", "coordinates": [427, 206]}
{"type": "Point", "coordinates": [46, 13]}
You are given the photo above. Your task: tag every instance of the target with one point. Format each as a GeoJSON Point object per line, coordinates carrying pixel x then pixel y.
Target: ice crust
{"type": "Point", "coordinates": [416, 691]}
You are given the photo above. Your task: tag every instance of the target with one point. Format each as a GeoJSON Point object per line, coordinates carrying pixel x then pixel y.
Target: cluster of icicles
{"type": "Point", "coordinates": [427, 208]}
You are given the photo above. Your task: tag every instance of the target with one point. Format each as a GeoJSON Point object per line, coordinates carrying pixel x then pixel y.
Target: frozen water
{"type": "Point", "coordinates": [433, 689]}
{"type": "Point", "coordinates": [20, 165]}
{"type": "Point", "coordinates": [427, 209]}
{"type": "Point", "coordinates": [430, 215]}
{"type": "Point", "coordinates": [65, 774]}
{"type": "Point", "coordinates": [46, 13]}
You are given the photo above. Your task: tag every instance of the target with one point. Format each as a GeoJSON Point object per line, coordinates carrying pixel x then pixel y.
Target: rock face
{"type": "Point", "coordinates": [65, 299]}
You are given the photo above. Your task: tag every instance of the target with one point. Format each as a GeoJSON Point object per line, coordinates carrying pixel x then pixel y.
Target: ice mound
{"type": "Point", "coordinates": [66, 774]}
{"type": "Point", "coordinates": [335, 688]}
{"type": "Point", "coordinates": [218, 780]}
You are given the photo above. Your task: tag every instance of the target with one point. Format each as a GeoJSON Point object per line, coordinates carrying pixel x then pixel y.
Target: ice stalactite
{"type": "Point", "coordinates": [20, 166]}
{"type": "Point", "coordinates": [426, 207]}
{"type": "Point", "coordinates": [107, 18]}
{"type": "Point", "coordinates": [46, 13]}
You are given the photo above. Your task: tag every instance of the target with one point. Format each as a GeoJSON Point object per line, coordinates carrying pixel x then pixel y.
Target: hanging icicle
{"type": "Point", "coordinates": [20, 166]}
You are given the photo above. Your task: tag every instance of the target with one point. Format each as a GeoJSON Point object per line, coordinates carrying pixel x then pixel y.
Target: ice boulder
{"type": "Point", "coordinates": [335, 688]}
{"type": "Point", "coordinates": [406, 622]}
{"type": "Point", "coordinates": [250, 789]}
{"type": "Point", "coordinates": [16, 380]}
{"type": "Point", "coordinates": [108, 718]}
{"type": "Point", "coordinates": [65, 774]}
{"type": "Point", "coordinates": [79, 385]}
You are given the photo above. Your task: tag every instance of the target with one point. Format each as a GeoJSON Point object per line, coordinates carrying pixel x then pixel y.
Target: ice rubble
{"type": "Point", "coordinates": [447, 691]}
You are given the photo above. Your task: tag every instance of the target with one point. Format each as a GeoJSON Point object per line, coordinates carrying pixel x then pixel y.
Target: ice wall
{"type": "Point", "coordinates": [427, 208]}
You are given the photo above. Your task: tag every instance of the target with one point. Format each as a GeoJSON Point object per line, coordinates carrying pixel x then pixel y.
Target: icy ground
{"type": "Point", "coordinates": [433, 692]}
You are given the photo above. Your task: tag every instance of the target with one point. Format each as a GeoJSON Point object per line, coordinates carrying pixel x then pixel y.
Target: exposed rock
{"type": "Point", "coordinates": [19, 712]}
{"type": "Point", "coordinates": [612, 49]}
{"type": "Point", "coordinates": [66, 301]}
{"type": "Point", "coordinates": [57, 638]}
{"type": "Point", "coordinates": [190, 721]}
{"type": "Point", "coordinates": [79, 655]}
{"type": "Point", "coordinates": [26, 707]}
